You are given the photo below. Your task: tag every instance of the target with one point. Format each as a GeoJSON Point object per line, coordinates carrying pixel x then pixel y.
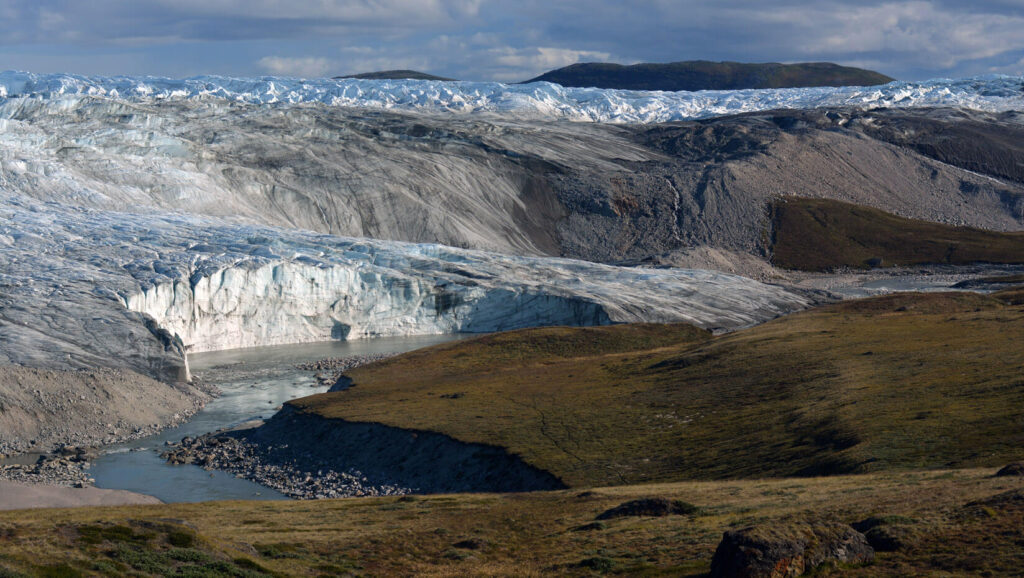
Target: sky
{"type": "Point", "coordinates": [509, 40]}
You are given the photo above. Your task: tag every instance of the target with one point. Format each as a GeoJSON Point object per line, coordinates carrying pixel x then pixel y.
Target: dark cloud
{"type": "Point", "coordinates": [503, 40]}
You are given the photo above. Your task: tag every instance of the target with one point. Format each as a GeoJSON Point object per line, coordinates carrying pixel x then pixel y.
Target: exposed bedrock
{"type": "Point", "coordinates": [593, 191]}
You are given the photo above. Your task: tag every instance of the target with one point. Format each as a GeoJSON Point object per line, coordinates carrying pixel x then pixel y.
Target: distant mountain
{"type": "Point", "coordinates": [705, 75]}
{"type": "Point", "coordinates": [395, 75]}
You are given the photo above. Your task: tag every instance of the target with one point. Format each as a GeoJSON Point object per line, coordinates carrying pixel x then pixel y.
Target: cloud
{"type": "Point", "coordinates": [917, 32]}
{"type": "Point", "coordinates": [303, 67]}
{"type": "Point", "coordinates": [523, 63]}
{"type": "Point", "coordinates": [488, 39]}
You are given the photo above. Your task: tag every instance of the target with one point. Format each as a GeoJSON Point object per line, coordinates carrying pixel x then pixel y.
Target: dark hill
{"type": "Point", "coordinates": [394, 75]}
{"type": "Point", "coordinates": [705, 75]}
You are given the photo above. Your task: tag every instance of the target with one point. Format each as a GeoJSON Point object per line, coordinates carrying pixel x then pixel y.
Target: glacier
{"type": "Point", "coordinates": [81, 288]}
{"type": "Point", "coordinates": [993, 93]}
{"type": "Point", "coordinates": [145, 218]}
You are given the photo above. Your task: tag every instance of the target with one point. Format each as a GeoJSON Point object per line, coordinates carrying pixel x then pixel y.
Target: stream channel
{"type": "Point", "coordinates": [254, 382]}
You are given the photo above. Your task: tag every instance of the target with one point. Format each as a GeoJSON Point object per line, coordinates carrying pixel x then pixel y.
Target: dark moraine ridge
{"type": "Point", "coordinates": [426, 462]}
{"type": "Point", "coordinates": [696, 75]}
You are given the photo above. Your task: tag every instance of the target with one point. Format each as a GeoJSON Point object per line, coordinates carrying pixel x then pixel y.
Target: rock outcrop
{"type": "Point", "coordinates": [788, 548]}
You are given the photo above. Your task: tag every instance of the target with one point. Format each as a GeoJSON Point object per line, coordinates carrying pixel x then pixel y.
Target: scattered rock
{"type": "Point", "coordinates": [649, 507]}
{"type": "Point", "coordinates": [1014, 469]}
{"type": "Point", "coordinates": [789, 548]}
{"type": "Point", "coordinates": [295, 476]}
{"type": "Point", "coordinates": [330, 370]}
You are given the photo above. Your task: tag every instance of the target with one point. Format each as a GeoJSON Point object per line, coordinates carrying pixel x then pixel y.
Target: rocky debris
{"type": "Point", "coordinates": [306, 456]}
{"type": "Point", "coordinates": [788, 548]}
{"type": "Point", "coordinates": [1014, 469]}
{"type": "Point", "coordinates": [888, 533]}
{"type": "Point", "coordinates": [54, 411]}
{"type": "Point", "coordinates": [296, 478]}
{"type": "Point", "coordinates": [649, 507]}
{"type": "Point", "coordinates": [331, 369]}
{"type": "Point", "coordinates": [69, 470]}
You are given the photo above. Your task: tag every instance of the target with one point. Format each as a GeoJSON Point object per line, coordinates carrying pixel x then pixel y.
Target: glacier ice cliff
{"type": "Point", "coordinates": [81, 287]}
{"type": "Point", "coordinates": [990, 93]}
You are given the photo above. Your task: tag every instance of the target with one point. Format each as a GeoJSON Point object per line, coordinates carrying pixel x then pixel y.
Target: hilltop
{"type": "Point", "coordinates": [696, 75]}
{"type": "Point", "coordinates": [395, 75]}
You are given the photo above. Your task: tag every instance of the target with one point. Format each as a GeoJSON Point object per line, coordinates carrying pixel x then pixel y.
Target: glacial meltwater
{"type": "Point", "coordinates": [254, 382]}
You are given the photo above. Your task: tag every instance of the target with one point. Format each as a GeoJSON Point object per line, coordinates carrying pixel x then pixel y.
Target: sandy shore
{"type": "Point", "coordinates": [15, 496]}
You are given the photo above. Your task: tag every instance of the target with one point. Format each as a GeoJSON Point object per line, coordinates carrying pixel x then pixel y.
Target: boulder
{"type": "Point", "coordinates": [788, 548]}
{"type": "Point", "coordinates": [1014, 469]}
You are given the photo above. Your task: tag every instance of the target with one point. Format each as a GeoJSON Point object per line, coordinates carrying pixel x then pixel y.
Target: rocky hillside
{"type": "Point", "coordinates": [598, 192]}
{"type": "Point", "coordinates": [704, 75]}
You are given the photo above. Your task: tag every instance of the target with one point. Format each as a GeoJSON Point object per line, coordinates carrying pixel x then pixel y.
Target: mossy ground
{"type": "Point", "coordinates": [904, 381]}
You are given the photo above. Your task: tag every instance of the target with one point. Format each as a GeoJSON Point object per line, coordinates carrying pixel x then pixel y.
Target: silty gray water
{"type": "Point", "coordinates": [254, 383]}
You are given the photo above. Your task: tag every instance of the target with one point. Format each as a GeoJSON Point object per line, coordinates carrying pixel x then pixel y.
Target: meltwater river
{"type": "Point", "coordinates": [254, 382]}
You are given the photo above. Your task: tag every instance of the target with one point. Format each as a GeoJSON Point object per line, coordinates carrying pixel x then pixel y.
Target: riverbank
{"type": "Point", "coordinates": [307, 457]}
{"type": "Point", "coordinates": [17, 496]}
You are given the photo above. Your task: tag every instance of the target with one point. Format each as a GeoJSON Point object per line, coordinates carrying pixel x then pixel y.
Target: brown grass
{"type": "Point", "coordinates": [539, 534]}
{"type": "Point", "coordinates": [820, 235]}
{"type": "Point", "coordinates": [906, 381]}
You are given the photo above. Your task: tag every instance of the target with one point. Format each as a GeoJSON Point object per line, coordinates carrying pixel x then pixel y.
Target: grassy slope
{"type": "Point", "coordinates": [895, 382]}
{"type": "Point", "coordinates": [518, 534]}
{"type": "Point", "coordinates": [818, 235]}
{"type": "Point", "coordinates": [705, 75]}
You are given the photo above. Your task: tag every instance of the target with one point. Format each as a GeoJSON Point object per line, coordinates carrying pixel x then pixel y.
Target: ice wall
{"type": "Point", "coordinates": [294, 303]}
